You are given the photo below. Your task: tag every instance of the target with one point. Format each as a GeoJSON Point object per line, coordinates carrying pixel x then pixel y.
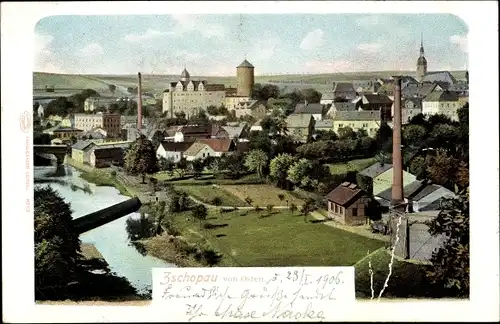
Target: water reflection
{"type": "Point", "coordinates": [111, 240]}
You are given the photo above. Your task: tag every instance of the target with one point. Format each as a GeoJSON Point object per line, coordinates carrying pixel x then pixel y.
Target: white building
{"type": "Point", "coordinates": [442, 102]}
{"type": "Point", "coordinates": [190, 96]}
{"type": "Point", "coordinates": [172, 150]}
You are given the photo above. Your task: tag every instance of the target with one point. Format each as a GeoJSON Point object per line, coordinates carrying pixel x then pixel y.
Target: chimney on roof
{"type": "Point", "coordinates": [139, 102]}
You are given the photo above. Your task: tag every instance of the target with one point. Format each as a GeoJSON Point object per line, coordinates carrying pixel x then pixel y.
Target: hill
{"type": "Point", "coordinates": [158, 82]}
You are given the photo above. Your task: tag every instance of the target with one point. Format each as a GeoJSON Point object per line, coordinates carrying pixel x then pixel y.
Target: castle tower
{"type": "Point", "coordinates": [185, 75]}
{"type": "Point", "coordinates": [421, 63]}
{"type": "Point", "coordinates": [245, 79]}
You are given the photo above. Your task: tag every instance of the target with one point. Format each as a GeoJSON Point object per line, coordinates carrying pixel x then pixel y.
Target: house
{"type": "Point", "coordinates": [327, 98]}
{"type": "Point", "coordinates": [172, 150]}
{"type": "Point", "coordinates": [63, 133]}
{"type": "Point", "coordinates": [440, 76]}
{"type": "Point", "coordinates": [106, 156]}
{"type": "Point", "coordinates": [340, 106]}
{"type": "Point", "coordinates": [420, 90]}
{"type": "Point", "coordinates": [204, 148]}
{"type": "Point", "coordinates": [300, 127]}
{"type": "Point", "coordinates": [192, 132]}
{"type": "Point", "coordinates": [410, 108]}
{"type": "Point", "coordinates": [324, 125]}
{"type": "Point", "coordinates": [218, 132]}
{"type": "Point", "coordinates": [255, 108]}
{"type": "Point", "coordinates": [344, 90]}
{"type": "Point", "coordinates": [442, 102]}
{"type": "Point", "coordinates": [420, 195]}
{"type": "Point", "coordinates": [236, 132]}
{"type": "Point", "coordinates": [369, 121]}
{"type": "Point", "coordinates": [376, 102]}
{"type": "Point", "coordinates": [314, 109]}
{"type": "Point", "coordinates": [381, 175]}
{"type": "Point", "coordinates": [80, 151]}
{"type": "Point", "coordinates": [366, 86]}
{"type": "Point", "coordinates": [347, 204]}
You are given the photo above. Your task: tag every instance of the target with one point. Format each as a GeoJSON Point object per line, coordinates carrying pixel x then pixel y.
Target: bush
{"type": "Point", "coordinates": [113, 173]}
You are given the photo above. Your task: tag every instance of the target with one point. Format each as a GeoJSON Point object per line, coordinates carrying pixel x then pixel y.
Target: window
{"type": "Point", "coordinates": [355, 211]}
{"type": "Point", "coordinates": [341, 210]}
{"type": "Point", "coordinates": [365, 125]}
{"type": "Point", "coordinates": [336, 208]}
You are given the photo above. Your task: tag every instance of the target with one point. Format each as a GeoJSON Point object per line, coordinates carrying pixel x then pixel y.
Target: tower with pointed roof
{"type": "Point", "coordinates": [421, 63]}
{"type": "Point", "coordinates": [245, 79]}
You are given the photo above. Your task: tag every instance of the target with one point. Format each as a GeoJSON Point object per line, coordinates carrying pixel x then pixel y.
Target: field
{"type": "Point", "coordinates": [262, 195]}
{"type": "Point", "coordinates": [280, 239]}
{"type": "Point", "coordinates": [209, 192]}
{"type": "Point", "coordinates": [159, 82]}
{"type": "Point", "coordinates": [353, 165]}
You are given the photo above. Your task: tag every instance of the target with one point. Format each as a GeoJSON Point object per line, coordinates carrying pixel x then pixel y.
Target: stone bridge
{"type": "Point", "coordinates": [101, 217]}
{"type": "Point", "coordinates": [59, 151]}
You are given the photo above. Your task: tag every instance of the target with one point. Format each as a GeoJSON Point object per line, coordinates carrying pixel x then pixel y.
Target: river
{"type": "Point", "coordinates": [111, 239]}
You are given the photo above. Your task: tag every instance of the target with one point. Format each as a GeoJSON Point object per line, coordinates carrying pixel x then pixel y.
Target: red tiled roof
{"type": "Point", "coordinates": [218, 145]}
{"type": "Point", "coordinates": [344, 194]}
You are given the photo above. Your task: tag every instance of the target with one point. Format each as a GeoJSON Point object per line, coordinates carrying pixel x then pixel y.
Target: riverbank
{"type": "Point", "coordinates": [100, 177]}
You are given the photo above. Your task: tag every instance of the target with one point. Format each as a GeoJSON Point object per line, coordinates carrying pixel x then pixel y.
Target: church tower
{"type": "Point", "coordinates": [421, 63]}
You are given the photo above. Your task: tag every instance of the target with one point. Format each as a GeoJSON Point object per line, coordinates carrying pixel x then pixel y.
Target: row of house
{"type": "Point", "coordinates": [199, 149]}
{"type": "Point", "coordinates": [348, 203]}
{"type": "Point", "coordinates": [99, 154]}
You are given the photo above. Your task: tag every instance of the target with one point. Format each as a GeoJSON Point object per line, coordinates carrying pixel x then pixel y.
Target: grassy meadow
{"type": "Point", "coordinates": [262, 194]}
{"type": "Point", "coordinates": [250, 238]}
{"type": "Point", "coordinates": [353, 165]}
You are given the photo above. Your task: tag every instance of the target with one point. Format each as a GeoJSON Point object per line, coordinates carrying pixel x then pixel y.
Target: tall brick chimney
{"type": "Point", "coordinates": [139, 103]}
{"type": "Point", "coordinates": [397, 160]}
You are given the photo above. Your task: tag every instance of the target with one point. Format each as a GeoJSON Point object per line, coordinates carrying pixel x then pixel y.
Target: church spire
{"type": "Point", "coordinates": [421, 44]}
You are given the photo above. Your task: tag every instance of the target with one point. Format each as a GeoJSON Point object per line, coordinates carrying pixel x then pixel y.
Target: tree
{"type": "Point", "coordinates": [57, 244]}
{"type": "Point", "coordinates": [384, 136]}
{"type": "Point", "coordinates": [308, 207]}
{"type": "Point", "coordinates": [281, 197]}
{"type": "Point", "coordinates": [278, 169]}
{"type": "Point", "coordinates": [327, 135]}
{"type": "Point", "coordinates": [311, 95]}
{"type": "Point", "coordinates": [141, 158]}
{"type": "Point", "coordinates": [414, 135]}
{"type": "Point", "coordinates": [234, 164]}
{"type": "Point", "coordinates": [418, 120]}
{"type": "Point", "coordinates": [132, 90]}
{"type": "Point", "coordinates": [270, 208]}
{"type": "Point", "coordinates": [265, 92]}
{"type": "Point", "coordinates": [445, 136]}
{"type": "Point", "coordinates": [418, 167]}
{"type": "Point", "coordinates": [217, 201]}
{"type": "Point", "coordinates": [200, 213]}
{"type": "Point", "coordinates": [196, 166]}
{"type": "Point", "coordinates": [293, 208]}
{"type": "Point", "coordinates": [256, 160]}
{"type": "Point", "coordinates": [442, 169]}
{"type": "Point", "coordinates": [181, 167]}
{"type": "Point", "coordinates": [450, 263]}
{"type": "Point", "coordinates": [112, 88]}
{"type": "Point", "coordinates": [167, 165]}
{"type": "Point", "coordinates": [462, 175]}
{"type": "Point", "coordinates": [60, 106]}
{"type": "Point", "coordinates": [153, 183]}
{"type": "Point", "coordinates": [140, 228]}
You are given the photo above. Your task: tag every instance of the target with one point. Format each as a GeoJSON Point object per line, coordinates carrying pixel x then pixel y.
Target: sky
{"type": "Point", "coordinates": [214, 44]}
